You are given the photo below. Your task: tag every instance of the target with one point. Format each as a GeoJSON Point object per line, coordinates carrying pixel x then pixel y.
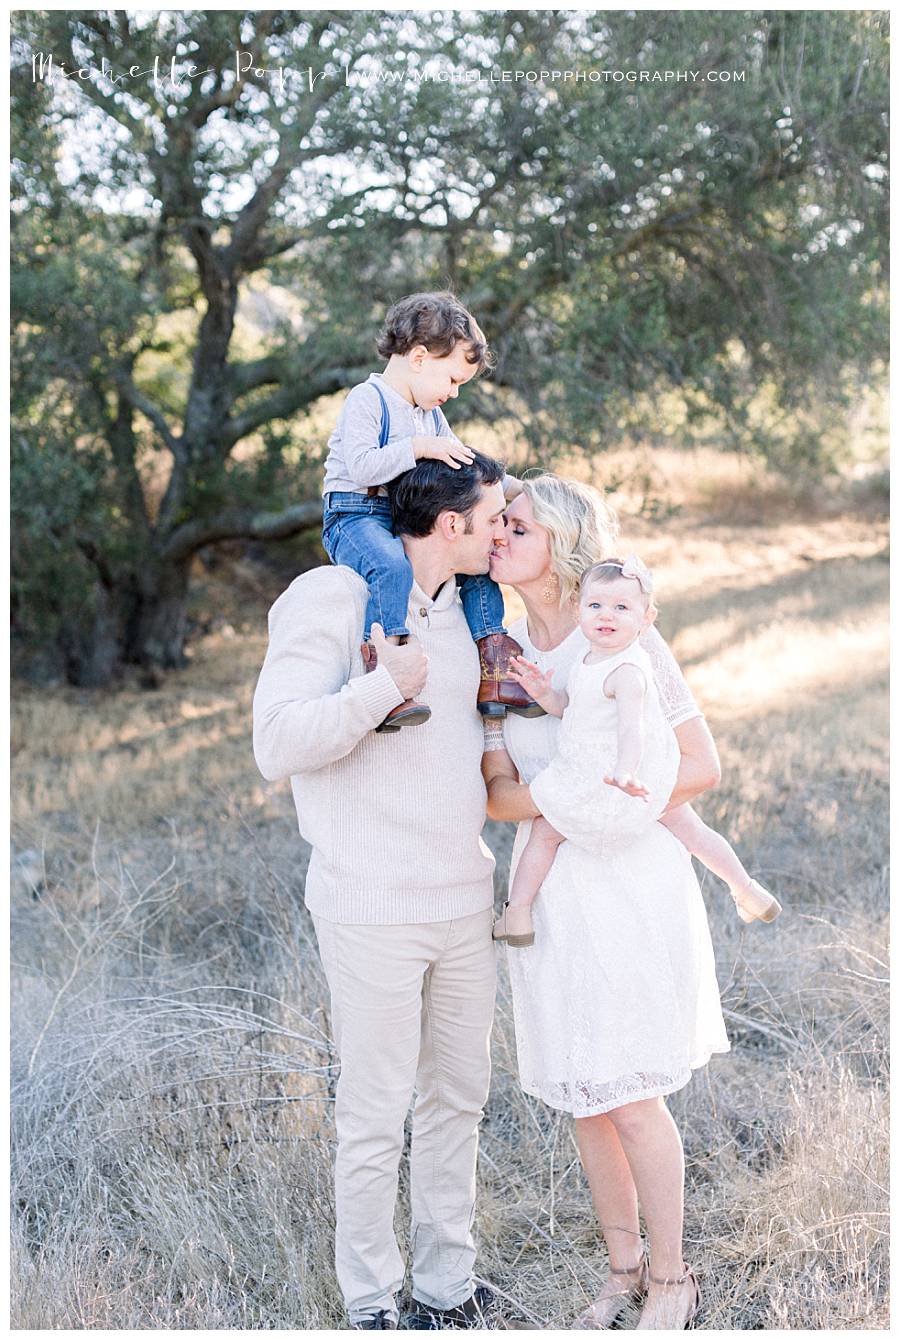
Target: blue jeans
{"type": "Point", "coordinates": [356, 531]}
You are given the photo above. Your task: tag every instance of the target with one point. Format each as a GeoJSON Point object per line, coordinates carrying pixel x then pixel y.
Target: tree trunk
{"type": "Point", "coordinates": [157, 633]}
{"type": "Point", "coordinates": [92, 650]}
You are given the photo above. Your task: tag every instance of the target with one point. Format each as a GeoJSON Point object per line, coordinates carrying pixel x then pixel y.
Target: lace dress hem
{"type": "Point", "coordinates": [592, 1100]}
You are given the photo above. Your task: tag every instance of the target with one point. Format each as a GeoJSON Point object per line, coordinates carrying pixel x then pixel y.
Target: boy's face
{"type": "Point", "coordinates": [434, 378]}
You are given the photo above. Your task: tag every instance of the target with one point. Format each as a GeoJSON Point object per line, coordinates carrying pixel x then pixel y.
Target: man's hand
{"type": "Point", "coordinates": [442, 449]}
{"type": "Point", "coordinates": [407, 665]}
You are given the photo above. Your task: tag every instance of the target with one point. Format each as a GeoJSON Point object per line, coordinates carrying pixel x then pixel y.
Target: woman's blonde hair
{"type": "Point", "coordinates": [581, 525]}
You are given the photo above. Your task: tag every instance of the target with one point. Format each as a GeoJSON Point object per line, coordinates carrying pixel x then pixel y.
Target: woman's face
{"type": "Point", "coordinates": [523, 556]}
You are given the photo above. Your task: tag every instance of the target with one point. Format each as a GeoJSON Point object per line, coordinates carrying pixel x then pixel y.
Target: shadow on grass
{"type": "Point", "coordinates": [834, 589]}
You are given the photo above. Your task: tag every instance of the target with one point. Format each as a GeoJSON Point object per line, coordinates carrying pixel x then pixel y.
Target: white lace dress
{"type": "Point", "coordinates": [617, 999]}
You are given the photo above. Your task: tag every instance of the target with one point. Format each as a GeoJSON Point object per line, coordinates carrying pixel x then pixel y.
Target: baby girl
{"type": "Point", "coordinates": [616, 606]}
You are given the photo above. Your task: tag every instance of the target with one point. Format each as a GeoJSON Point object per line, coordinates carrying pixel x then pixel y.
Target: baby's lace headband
{"type": "Point", "coordinates": [633, 567]}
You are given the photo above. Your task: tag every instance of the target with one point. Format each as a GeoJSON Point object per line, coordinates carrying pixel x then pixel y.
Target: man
{"type": "Point", "coordinates": [399, 887]}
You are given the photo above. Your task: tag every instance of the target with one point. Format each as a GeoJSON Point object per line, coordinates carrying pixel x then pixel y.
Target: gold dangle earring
{"type": "Point", "coordinates": [550, 591]}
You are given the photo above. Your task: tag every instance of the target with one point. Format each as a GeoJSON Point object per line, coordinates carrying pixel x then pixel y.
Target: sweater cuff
{"type": "Point", "coordinates": [379, 693]}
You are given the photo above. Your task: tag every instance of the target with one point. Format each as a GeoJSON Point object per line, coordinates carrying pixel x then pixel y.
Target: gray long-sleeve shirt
{"type": "Point", "coordinates": [355, 461]}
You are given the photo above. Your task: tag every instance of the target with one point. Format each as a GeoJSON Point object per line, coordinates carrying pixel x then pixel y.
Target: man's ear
{"type": "Point", "coordinates": [450, 524]}
{"type": "Point", "coordinates": [417, 356]}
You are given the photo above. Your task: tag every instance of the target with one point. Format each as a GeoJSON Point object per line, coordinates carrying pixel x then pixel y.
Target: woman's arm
{"type": "Point", "coordinates": [508, 798]}
{"type": "Point", "coordinates": [699, 768]}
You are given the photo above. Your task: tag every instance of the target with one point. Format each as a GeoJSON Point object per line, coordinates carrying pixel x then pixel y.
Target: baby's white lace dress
{"type": "Point", "coordinates": [617, 999]}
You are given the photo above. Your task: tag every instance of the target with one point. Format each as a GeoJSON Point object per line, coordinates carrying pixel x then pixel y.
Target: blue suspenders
{"type": "Point", "coordinates": [385, 432]}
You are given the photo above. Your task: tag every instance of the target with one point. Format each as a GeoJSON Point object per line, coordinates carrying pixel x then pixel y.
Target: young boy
{"type": "Point", "coordinates": [388, 423]}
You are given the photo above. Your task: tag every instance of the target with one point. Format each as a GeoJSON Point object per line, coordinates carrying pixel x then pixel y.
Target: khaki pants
{"type": "Point", "coordinates": [411, 1009]}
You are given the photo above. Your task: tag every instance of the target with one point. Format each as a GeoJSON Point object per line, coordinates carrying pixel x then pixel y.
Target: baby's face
{"type": "Point", "coordinates": [612, 613]}
{"type": "Point", "coordinates": [435, 378]}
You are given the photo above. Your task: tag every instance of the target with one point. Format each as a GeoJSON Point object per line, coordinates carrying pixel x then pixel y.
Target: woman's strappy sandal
{"type": "Point", "coordinates": [695, 1306]}
{"type": "Point", "coordinates": [602, 1313]}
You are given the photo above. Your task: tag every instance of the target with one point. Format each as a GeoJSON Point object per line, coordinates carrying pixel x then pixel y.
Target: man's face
{"type": "Point", "coordinates": [472, 547]}
{"type": "Point", "coordinates": [435, 378]}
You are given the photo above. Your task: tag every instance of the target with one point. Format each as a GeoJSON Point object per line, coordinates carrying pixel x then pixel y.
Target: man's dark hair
{"type": "Point", "coordinates": [439, 322]}
{"type": "Point", "coordinates": [419, 495]}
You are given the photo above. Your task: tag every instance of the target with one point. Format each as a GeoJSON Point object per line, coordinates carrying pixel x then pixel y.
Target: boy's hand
{"type": "Point", "coordinates": [631, 785]}
{"type": "Point", "coordinates": [407, 665]}
{"type": "Point", "coordinates": [442, 449]}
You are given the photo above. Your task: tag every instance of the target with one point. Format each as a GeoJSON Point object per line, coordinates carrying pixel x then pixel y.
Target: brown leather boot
{"type": "Point", "coordinates": [408, 713]}
{"type": "Point", "coordinates": [498, 693]}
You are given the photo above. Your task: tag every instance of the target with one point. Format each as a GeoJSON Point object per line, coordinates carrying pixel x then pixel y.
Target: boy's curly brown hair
{"type": "Point", "coordinates": [439, 322]}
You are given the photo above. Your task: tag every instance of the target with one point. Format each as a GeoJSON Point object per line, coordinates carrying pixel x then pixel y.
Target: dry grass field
{"type": "Point", "coordinates": [172, 1070]}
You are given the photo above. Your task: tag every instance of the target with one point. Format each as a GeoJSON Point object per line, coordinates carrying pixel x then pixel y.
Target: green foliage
{"type": "Point", "coordinates": [617, 240]}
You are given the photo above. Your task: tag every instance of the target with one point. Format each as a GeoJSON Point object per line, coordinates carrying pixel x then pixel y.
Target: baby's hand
{"type": "Point", "coordinates": [534, 681]}
{"type": "Point", "coordinates": [538, 684]}
{"type": "Point", "coordinates": [444, 449]}
{"type": "Point", "coordinates": [631, 785]}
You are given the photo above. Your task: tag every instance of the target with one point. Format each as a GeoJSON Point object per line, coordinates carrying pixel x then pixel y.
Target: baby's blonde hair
{"type": "Point", "coordinates": [580, 523]}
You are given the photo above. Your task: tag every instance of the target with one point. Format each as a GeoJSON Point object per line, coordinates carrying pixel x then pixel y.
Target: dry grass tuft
{"type": "Point", "coordinates": [172, 1070]}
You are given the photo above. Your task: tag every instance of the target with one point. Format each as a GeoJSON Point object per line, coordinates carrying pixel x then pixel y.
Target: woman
{"type": "Point", "coordinates": [628, 1142]}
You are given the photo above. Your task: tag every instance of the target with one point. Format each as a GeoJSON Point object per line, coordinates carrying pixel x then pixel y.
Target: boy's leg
{"type": "Point", "coordinates": [363, 541]}
{"type": "Point", "coordinates": [482, 601]}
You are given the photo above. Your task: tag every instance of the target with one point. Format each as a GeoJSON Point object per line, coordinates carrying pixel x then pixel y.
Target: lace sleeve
{"type": "Point", "coordinates": [493, 734]}
{"type": "Point", "coordinates": [678, 702]}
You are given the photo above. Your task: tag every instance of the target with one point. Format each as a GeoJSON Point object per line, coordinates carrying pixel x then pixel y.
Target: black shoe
{"type": "Point", "coordinates": [472, 1315]}
{"type": "Point", "coordinates": [379, 1321]}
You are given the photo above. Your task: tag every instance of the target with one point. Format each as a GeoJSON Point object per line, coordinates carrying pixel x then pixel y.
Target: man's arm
{"type": "Point", "coordinates": [307, 712]}
{"type": "Point", "coordinates": [699, 768]}
{"type": "Point", "coordinates": [507, 797]}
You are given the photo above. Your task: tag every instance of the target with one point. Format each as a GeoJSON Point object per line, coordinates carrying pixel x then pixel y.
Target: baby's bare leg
{"type": "Point", "coordinates": [753, 902]}
{"type": "Point", "coordinates": [535, 862]}
{"type": "Point", "coordinates": [707, 845]}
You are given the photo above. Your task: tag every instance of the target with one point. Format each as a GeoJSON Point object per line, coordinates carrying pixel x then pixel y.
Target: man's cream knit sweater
{"type": "Point", "coordinates": [394, 820]}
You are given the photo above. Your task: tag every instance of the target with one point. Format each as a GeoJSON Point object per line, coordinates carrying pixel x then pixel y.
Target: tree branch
{"type": "Point", "coordinates": [137, 400]}
{"type": "Point", "coordinates": [288, 401]}
{"type": "Point", "coordinates": [260, 372]}
{"type": "Point", "coordinates": [241, 523]}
